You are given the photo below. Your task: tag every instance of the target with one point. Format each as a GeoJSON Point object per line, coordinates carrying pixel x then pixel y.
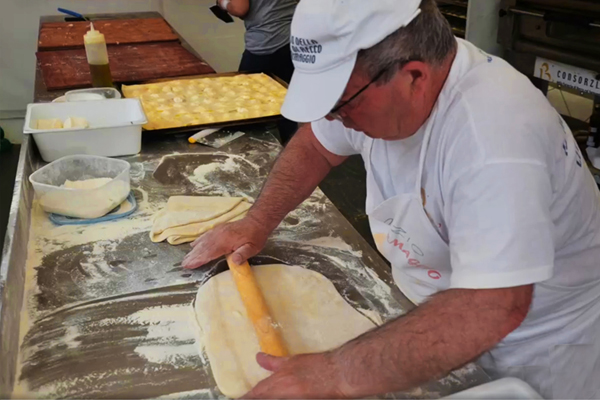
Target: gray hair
{"type": "Point", "coordinates": [427, 38]}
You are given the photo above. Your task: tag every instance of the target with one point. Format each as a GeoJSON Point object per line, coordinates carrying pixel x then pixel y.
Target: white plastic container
{"type": "Point", "coordinates": [115, 128]}
{"type": "Point", "coordinates": [88, 94]}
{"type": "Point", "coordinates": [81, 203]}
{"type": "Point", "coordinates": [505, 388]}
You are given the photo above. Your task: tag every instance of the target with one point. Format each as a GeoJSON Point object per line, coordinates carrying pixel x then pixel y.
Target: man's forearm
{"type": "Point", "coordinates": [452, 329]}
{"type": "Point", "coordinates": [297, 172]}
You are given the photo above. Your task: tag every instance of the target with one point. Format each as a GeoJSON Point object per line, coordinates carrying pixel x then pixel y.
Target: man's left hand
{"type": "Point", "coordinates": [308, 376]}
{"type": "Point", "coordinates": [223, 4]}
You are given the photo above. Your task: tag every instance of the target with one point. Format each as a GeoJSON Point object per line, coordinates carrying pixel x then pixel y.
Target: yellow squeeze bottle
{"type": "Point", "coordinates": [97, 57]}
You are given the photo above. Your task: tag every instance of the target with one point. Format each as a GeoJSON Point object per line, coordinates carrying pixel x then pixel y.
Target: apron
{"type": "Point", "coordinates": [406, 236]}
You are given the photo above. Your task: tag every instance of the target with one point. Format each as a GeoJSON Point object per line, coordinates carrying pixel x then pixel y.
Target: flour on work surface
{"type": "Point", "coordinates": [137, 172]}
{"type": "Point", "coordinates": [366, 281]}
{"type": "Point", "coordinates": [213, 174]}
{"type": "Point", "coordinates": [307, 219]}
{"type": "Point", "coordinates": [199, 178]}
{"type": "Point", "coordinates": [164, 335]}
{"type": "Point", "coordinates": [333, 242]}
{"type": "Point", "coordinates": [47, 238]}
{"type": "Point", "coordinates": [132, 308]}
{"type": "Point", "coordinates": [165, 325]}
{"type": "Point", "coordinates": [195, 394]}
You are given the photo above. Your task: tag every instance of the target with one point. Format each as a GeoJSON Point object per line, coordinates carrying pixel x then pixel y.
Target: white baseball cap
{"type": "Point", "coordinates": [325, 40]}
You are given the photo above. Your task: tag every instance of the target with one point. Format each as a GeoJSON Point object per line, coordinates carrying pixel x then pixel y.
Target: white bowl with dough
{"type": "Point", "coordinates": [115, 128]}
{"type": "Point", "coordinates": [82, 186]}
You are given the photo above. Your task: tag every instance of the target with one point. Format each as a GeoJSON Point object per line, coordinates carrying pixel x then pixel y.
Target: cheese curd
{"type": "Point", "coordinates": [208, 100]}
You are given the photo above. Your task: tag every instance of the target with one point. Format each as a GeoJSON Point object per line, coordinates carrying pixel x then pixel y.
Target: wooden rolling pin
{"type": "Point", "coordinates": [269, 336]}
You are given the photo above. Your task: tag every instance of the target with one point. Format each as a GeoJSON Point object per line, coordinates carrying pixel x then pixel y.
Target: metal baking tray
{"type": "Point", "coordinates": [190, 128]}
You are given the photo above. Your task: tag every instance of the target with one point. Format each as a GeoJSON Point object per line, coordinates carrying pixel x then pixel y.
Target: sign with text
{"type": "Point", "coordinates": [568, 76]}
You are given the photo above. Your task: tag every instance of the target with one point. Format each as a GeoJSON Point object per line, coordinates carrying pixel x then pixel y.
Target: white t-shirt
{"type": "Point", "coordinates": [507, 188]}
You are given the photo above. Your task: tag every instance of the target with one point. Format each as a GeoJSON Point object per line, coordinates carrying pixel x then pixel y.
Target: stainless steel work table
{"type": "Point", "coordinates": [109, 309]}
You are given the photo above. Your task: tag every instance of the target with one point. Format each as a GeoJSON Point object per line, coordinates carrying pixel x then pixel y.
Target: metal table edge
{"type": "Point", "coordinates": [12, 271]}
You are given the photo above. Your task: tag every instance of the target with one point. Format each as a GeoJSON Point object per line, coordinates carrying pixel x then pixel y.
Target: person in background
{"type": "Point", "coordinates": [267, 41]}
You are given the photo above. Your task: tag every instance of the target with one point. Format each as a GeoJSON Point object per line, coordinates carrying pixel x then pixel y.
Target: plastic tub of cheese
{"type": "Point", "coordinates": [82, 186]}
{"type": "Point", "coordinates": [102, 127]}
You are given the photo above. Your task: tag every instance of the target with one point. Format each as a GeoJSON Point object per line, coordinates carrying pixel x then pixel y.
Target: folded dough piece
{"type": "Point", "coordinates": [185, 218]}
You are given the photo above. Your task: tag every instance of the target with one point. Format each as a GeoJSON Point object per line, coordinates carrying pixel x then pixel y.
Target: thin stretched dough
{"type": "Point", "coordinates": [311, 313]}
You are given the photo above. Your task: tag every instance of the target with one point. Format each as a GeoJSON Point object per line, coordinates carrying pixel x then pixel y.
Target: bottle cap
{"type": "Point", "coordinates": [93, 36]}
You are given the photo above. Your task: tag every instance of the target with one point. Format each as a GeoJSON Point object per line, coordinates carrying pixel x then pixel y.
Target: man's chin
{"type": "Point", "coordinates": [379, 135]}
{"type": "Point", "coordinates": [370, 135]}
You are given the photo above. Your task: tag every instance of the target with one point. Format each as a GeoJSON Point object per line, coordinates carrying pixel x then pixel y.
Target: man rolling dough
{"type": "Point", "coordinates": [476, 193]}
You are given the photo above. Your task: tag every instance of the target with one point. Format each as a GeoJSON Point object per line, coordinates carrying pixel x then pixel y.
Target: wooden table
{"type": "Point", "coordinates": [41, 94]}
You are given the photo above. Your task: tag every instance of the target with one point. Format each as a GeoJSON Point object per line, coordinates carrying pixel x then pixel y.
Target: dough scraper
{"type": "Point", "coordinates": [215, 137]}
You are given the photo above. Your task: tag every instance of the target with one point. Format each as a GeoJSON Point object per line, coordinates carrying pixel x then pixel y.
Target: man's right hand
{"type": "Point", "coordinates": [244, 238]}
{"type": "Point", "coordinates": [302, 165]}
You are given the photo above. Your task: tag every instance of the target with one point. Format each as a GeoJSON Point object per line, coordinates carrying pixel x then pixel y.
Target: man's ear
{"type": "Point", "coordinates": [418, 71]}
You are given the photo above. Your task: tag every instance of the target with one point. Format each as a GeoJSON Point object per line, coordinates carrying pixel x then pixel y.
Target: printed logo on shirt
{"type": "Point", "coordinates": [565, 144]}
{"type": "Point", "coordinates": [305, 50]}
{"type": "Point", "coordinates": [489, 58]}
{"type": "Point", "coordinates": [578, 157]}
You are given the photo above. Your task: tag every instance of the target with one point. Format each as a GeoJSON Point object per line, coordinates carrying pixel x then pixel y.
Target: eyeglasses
{"type": "Point", "coordinates": [334, 113]}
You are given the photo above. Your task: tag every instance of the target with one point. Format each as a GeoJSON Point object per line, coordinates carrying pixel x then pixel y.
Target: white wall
{"type": "Point", "coordinates": [219, 43]}
{"type": "Point", "coordinates": [19, 21]}
{"type": "Point", "coordinates": [482, 25]}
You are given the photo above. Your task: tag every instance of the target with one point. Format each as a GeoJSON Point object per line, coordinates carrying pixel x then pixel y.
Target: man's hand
{"type": "Point", "coordinates": [451, 329]}
{"type": "Point", "coordinates": [223, 4]}
{"type": "Point", "coordinates": [244, 238]}
{"type": "Point", "coordinates": [297, 172]}
{"type": "Point", "coordinates": [307, 376]}
{"type": "Point", "coordinates": [237, 8]}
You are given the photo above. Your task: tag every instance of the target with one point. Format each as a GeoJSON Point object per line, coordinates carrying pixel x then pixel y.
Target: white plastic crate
{"type": "Point", "coordinates": [115, 128]}
{"type": "Point", "coordinates": [505, 388]}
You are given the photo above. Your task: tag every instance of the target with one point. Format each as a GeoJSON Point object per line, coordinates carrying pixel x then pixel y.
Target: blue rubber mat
{"type": "Point", "coordinates": [111, 216]}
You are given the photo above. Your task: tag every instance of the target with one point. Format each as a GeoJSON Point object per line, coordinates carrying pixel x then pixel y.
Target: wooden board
{"type": "Point", "coordinates": [57, 35]}
{"type": "Point", "coordinates": [65, 69]}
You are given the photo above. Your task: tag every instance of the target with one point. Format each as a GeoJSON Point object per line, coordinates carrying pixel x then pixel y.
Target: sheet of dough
{"type": "Point", "coordinates": [187, 217]}
{"type": "Point", "coordinates": [93, 198]}
{"type": "Point", "coordinates": [313, 317]}
{"type": "Point", "coordinates": [87, 183]}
